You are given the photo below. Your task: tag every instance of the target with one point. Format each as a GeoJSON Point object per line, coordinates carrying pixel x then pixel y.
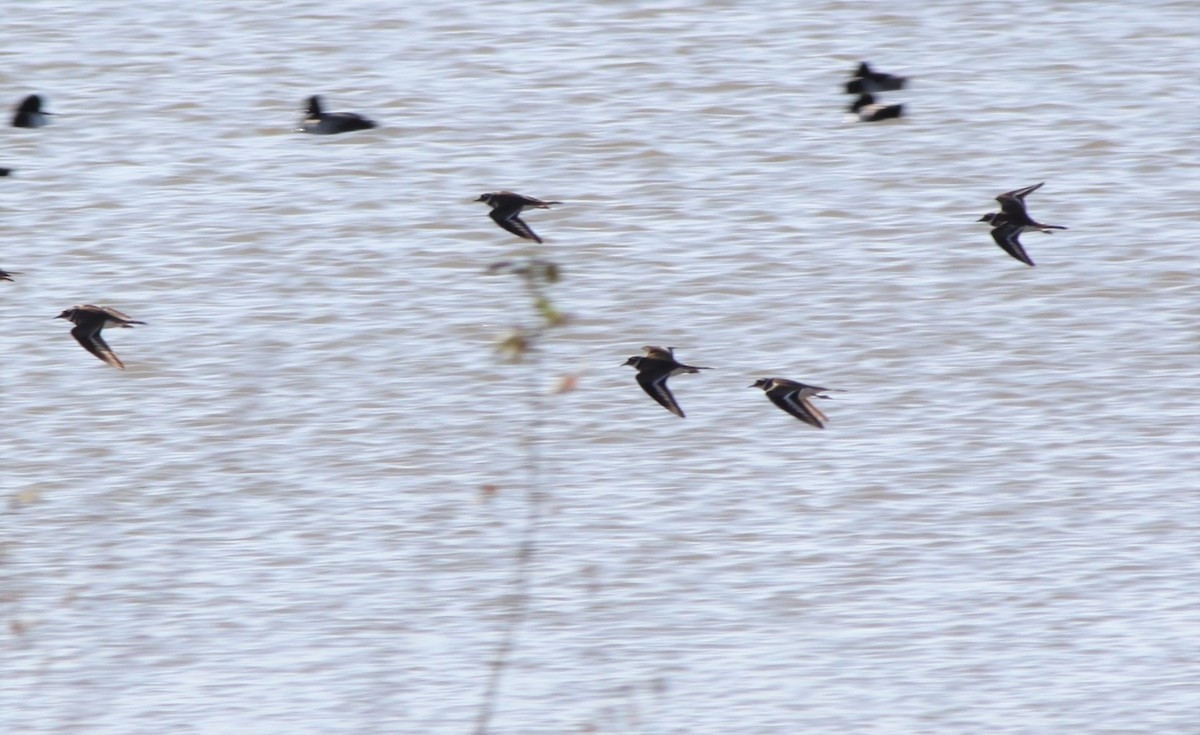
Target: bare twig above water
{"type": "Point", "coordinates": [521, 345]}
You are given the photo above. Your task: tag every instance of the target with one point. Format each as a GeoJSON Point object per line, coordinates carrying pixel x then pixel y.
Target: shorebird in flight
{"type": "Point", "coordinates": [89, 322]}
{"type": "Point", "coordinates": [507, 207]}
{"type": "Point", "coordinates": [653, 370]}
{"type": "Point", "coordinates": [792, 397]}
{"type": "Point", "coordinates": [1012, 220]}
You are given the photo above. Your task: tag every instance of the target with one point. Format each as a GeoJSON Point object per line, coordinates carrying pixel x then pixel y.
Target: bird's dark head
{"type": "Point", "coordinates": [634, 361]}
{"type": "Point", "coordinates": [67, 314]}
{"type": "Point", "coordinates": [485, 197]}
{"type": "Point", "coordinates": [989, 217]}
{"type": "Point", "coordinates": [763, 383]}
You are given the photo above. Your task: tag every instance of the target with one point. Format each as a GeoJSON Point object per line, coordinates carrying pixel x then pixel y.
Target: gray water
{"type": "Point", "coordinates": [297, 510]}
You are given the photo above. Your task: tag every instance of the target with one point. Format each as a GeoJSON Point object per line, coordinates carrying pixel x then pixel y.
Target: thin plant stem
{"type": "Point", "coordinates": [535, 497]}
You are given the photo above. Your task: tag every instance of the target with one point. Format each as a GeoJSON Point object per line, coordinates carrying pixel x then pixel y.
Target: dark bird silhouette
{"type": "Point", "coordinates": [89, 322]}
{"type": "Point", "coordinates": [653, 370]}
{"type": "Point", "coordinates": [318, 122]}
{"type": "Point", "coordinates": [1012, 220]}
{"type": "Point", "coordinates": [867, 81]}
{"type": "Point", "coordinates": [507, 207]}
{"type": "Point", "coordinates": [792, 397]}
{"type": "Point", "coordinates": [868, 110]}
{"type": "Point", "coordinates": [30, 114]}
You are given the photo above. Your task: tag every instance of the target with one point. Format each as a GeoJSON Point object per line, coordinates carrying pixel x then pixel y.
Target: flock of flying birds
{"type": "Point", "coordinates": [657, 364]}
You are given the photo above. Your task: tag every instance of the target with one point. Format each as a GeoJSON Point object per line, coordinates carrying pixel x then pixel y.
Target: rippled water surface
{"type": "Point", "coordinates": [298, 509]}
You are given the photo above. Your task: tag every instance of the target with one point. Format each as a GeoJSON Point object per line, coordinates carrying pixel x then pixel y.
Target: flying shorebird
{"type": "Point", "coordinates": [319, 122]}
{"type": "Point", "coordinates": [89, 321]}
{"type": "Point", "coordinates": [653, 370]}
{"type": "Point", "coordinates": [1012, 220]}
{"type": "Point", "coordinates": [506, 208]}
{"type": "Point", "coordinates": [793, 397]}
{"type": "Point", "coordinates": [7, 275]}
